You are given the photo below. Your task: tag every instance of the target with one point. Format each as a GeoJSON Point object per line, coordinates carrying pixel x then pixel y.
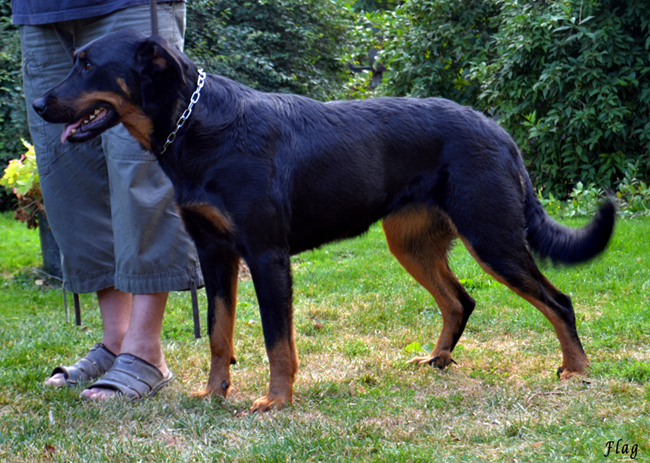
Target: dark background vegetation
{"type": "Point", "coordinates": [13, 118]}
{"type": "Point", "coordinates": [569, 80]}
{"type": "Point", "coordinates": [289, 46]}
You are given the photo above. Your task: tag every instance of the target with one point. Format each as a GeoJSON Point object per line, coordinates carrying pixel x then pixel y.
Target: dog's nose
{"type": "Point", "coordinates": [40, 105]}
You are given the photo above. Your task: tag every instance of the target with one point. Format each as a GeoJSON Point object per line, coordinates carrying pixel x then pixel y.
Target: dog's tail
{"type": "Point", "coordinates": [562, 244]}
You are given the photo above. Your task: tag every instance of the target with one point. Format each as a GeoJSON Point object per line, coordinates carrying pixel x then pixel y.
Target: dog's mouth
{"type": "Point", "coordinates": [91, 125]}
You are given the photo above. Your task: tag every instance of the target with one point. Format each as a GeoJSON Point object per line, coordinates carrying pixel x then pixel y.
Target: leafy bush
{"type": "Point", "coordinates": [430, 45]}
{"type": "Point", "coordinates": [633, 194]}
{"type": "Point", "coordinates": [371, 5]}
{"type": "Point", "coordinates": [21, 177]}
{"type": "Point", "coordinates": [289, 46]}
{"type": "Point", "coordinates": [571, 82]}
{"type": "Point", "coordinates": [632, 197]}
{"type": "Point", "coordinates": [364, 37]}
{"type": "Point", "coordinates": [13, 116]}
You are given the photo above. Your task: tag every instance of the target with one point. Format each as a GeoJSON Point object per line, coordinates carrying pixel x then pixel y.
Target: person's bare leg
{"type": "Point", "coordinates": [115, 308]}
{"type": "Point", "coordinates": [142, 338]}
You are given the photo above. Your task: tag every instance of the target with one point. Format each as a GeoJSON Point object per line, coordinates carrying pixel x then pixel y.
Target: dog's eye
{"type": "Point", "coordinates": [87, 66]}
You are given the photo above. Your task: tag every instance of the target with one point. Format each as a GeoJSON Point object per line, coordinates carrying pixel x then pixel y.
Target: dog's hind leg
{"type": "Point", "coordinates": [420, 240]}
{"type": "Point", "coordinates": [271, 272]}
{"type": "Point", "coordinates": [508, 260]}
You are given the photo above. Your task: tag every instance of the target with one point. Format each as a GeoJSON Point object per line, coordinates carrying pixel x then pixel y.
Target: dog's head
{"type": "Point", "coordinates": [121, 77]}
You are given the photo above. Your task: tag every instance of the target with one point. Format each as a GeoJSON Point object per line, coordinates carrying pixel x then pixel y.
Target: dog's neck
{"type": "Point", "coordinates": [186, 113]}
{"type": "Point", "coordinates": [166, 111]}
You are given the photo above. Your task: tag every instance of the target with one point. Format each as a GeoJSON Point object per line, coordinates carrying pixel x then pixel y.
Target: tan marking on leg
{"type": "Point", "coordinates": [222, 347]}
{"type": "Point", "coordinates": [217, 218]}
{"type": "Point", "coordinates": [419, 239]}
{"type": "Point", "coordinates": [574, 360]}
{"type": "Point", "coordinates": [403, 226]}
{"type": "Point", "coordinates": [452, 316]}
{"type": "Point", "coordinates": [222, 350]}
{"type": "Point", "coordinates": [283, 360]}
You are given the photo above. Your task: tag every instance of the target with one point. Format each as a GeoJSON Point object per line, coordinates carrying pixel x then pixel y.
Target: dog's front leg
{"type": "Point", "coordinates": [271, 274]}
{"type": "Point", "coordinates": [220, 271]}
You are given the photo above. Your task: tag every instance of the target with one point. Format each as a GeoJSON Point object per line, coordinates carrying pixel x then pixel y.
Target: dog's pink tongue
{"type": "Point", "coordinates": [68, 130]}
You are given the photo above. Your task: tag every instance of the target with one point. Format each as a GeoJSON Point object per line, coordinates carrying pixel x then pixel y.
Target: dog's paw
{"type": "Point", "coordinates": [442, 360]}
{"type": "Point", "coordinates": [564, 373]}
{"type": "Point", "coordinates": [204, 394]}
{"type": "Point", "coordinates": [269, 402]}
{"type": "Point", "coordinates": [209, 390]}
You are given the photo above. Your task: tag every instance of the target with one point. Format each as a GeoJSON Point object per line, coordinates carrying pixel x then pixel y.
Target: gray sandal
{"type": "Point", "coordinates": [96, 362]}
{"type": "Point", "coordinates": [133, 378]}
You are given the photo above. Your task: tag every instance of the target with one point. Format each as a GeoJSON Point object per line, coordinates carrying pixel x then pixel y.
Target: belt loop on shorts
{"type": "Point", "coordinates": [195, 309]}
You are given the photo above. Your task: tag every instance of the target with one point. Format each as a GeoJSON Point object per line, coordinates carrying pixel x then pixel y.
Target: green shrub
{"type": "Point", "coordinates": [427, 46]}
{"type": "Point", "coordinates": [633, 194]}
{"type": "Point", "coordinates": [21, 177]}
{"type": "Point", "coordinates": [570, 82]}
{"type": "Point", "coordinates": [13, 116]}
{"type": "Point", "coordinates": [290, 46]}
{"type": "Point", "coordinates": [430, 45]}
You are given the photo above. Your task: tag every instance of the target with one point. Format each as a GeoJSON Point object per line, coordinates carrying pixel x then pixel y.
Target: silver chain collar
{"type": "Point", "coordinates": [186, 114]}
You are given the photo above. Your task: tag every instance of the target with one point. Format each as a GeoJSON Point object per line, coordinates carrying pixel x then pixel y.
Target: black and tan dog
{"type": "Point", "coordinates": [263, 176]}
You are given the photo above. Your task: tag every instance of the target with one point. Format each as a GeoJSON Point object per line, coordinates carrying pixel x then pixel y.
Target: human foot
{"type": "Point", "coordinates": [142, 342]}
{"type": "Point", "coordinates": [90, 367]}
{"type": "Point", "coordinates": [131, 377]}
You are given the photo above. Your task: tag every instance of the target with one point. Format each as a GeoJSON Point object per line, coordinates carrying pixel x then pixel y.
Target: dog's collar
{"type": "Point", "coordinates": [186, 114]}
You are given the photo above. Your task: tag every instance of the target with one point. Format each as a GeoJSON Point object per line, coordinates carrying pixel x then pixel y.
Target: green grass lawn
{"type": "Point", "coordinates": [356, 399]}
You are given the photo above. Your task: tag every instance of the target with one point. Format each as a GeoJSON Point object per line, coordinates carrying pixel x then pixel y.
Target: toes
{"type": "Point", "coordinates": [267, 403]}
{"type": "Point", "coordinates": [440, 361]}
{"type": "Point", "coordinates": [421, 360]}
{"type": "Point", "coordinates": [222, 389]}
{"type": "Point", "coordinates": [57, 380]}
{"type": "Point", "coordinates": [564, 373]}
{"type": "Point", "coordinates": [98, 394]}
{"type": "Point", "coordinates": [204, 394]}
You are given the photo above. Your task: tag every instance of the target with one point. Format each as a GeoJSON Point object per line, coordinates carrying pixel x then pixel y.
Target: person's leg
{"type": "Point", "coordinates": [74, 182]}
{"type": "Point", "coordinates": [83, 223]}
{"type": "Point", "coordinates": [73, 177]}
{"type": "Point", "coordinates": [143, 335]}
{"type": "Point", "coordinates": [142, 338]}
{"type": "Point", "coordinates": [115, 308]}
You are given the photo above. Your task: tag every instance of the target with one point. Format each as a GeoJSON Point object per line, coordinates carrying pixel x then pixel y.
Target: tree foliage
{"type": "Point", "coordinates": [13, 116]}
{"type": "Point", "coordinates": [291, 46]}
{"type": "Point", "coordinates": [431, 43]}
{"type": "Point", "coordinates": [569, 80]}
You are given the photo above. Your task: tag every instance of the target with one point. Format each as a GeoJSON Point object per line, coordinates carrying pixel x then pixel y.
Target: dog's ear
{"type": "Point", "coordinates": [156, 56]}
